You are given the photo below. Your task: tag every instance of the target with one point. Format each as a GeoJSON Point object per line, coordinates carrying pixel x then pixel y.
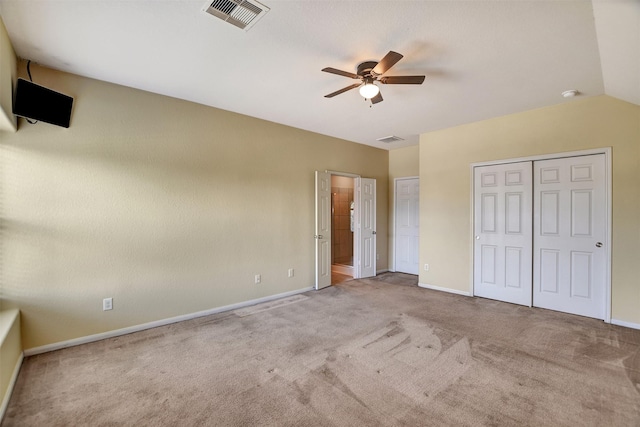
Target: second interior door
{"type": "Point", "coordinates": [366, 226]}
{"type": "Point", "coordinates": [407, 219]}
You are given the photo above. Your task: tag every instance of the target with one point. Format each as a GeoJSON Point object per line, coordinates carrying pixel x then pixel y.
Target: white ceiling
{"type": "Point", "coordinates": [482, 59]}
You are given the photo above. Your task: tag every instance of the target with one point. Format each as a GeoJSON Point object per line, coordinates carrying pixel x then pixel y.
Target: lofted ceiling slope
{"type": "Point", "coordinates": [482, 59]}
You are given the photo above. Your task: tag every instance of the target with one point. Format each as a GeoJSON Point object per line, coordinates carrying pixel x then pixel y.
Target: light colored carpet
{"type": "Point", "coordinates": [364, 353]}
{"type": "Point", "coordinates": [248, 311]}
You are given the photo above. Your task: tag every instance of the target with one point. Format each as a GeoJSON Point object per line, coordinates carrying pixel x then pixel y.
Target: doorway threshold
{"type": "Point", "coordinates": [342, 269]}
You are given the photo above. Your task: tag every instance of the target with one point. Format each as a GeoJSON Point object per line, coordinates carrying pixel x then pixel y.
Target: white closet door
{"type": "Point", "coordinates": [407, 218]}
{"type": "Point", "coordinates": [502, 226]}
{"type": "Point", "coordinates": [569, 263]}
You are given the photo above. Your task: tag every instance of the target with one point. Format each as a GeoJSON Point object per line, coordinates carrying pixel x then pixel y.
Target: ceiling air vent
{"type": "Point", "coordinates": [241, 13]}
{"type": "Point", "coordinates": [390, 139]}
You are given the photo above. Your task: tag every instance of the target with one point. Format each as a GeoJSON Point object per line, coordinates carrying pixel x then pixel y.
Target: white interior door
{"type": "Point", "coordinates": [323, 230]}
{"type": "Point", "coordinates": [503, 233]}
{"type": "Point", "coordinates": [570, 230]}
{"type": "Point", "coordinates": [366, 226]}
{"type": "Point", "coordinates": [407, 239]}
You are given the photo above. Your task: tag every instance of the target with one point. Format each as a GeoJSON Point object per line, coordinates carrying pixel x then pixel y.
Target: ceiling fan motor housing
{"type": "Point", "coordinates": [365, 68]}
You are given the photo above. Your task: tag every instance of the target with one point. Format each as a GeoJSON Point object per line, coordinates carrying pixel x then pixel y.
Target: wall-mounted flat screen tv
{"type": "Point", "coordinates": [37, 102]}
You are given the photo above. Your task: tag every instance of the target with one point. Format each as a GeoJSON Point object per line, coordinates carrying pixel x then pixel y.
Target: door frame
{"type": "Point", "coordinates": [356, 213]}
{"type": "Point", "coordinates": [395, 219]}
{"type": "Point", "coordinates": [356, 217]}
{"type": "Point", "coordinates": [608, 209]}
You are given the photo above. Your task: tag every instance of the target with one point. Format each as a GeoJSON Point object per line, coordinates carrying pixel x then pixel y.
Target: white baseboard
{"type": "Point", "coordinates": [625, 324]}
{"type": "Point", "coordinates": [439, 288]}
{"type": "Point", "coordinates": [12, 384]}
{"type": "Point", "coordinates": [157, 323]}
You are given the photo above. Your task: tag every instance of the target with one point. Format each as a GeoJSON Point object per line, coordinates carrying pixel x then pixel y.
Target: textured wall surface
{"type": "Point", "coordinates": [167, 206]}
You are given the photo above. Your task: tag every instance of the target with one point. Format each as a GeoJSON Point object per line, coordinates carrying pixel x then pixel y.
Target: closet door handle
{"type": "Point", "coordinates": [599, 245]}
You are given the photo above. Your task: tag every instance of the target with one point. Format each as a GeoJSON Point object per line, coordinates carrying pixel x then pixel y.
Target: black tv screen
{"type": "Point", "coordinates": [40, 103]}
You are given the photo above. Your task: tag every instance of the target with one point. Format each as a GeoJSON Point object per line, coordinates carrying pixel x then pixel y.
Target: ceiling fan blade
{"type": "Point", "coordinates": [338, 92]}
{"type": "Point", "coordinates": [377, 98]}
{"type": "Point", "coordinates": [402, 80]}
{"type": "Point", "coordinates": [340, 72]}
{"type": "Point", "coordinates": [389, 60]}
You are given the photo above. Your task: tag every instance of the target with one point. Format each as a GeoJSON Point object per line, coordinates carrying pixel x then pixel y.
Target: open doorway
{"type": "Point", "coordinates": [342, 228]}
{"type": "Point", "coordinates": [364, 253]}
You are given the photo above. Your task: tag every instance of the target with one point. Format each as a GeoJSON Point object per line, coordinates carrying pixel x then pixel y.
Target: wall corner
{"type": "Point", "coordinates": [8, 75]}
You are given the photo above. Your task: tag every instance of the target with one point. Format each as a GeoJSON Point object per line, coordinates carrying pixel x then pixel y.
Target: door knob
{"type": "Point", "coordinates": [318, 236]}
{"type": "Point", "coordinates": [373, 232]}
{"type": "Point", "coordinates": [599, 245]}
{"type": "Point", "coordinates": [477, 237]}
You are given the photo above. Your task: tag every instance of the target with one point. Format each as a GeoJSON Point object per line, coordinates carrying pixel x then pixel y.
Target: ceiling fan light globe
{"type": "Point", "coordinates": [369, 90]}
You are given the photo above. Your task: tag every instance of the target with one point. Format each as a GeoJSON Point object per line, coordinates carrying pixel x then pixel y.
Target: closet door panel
{"type": "Point", "coordinates": [569, 236]}
{"type": "Point", "coordinates": [503, 233]}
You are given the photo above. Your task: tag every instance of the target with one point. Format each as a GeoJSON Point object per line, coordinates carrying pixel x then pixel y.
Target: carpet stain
{"type": "Point", "coordinates": [303, 393]}
{"type": "Point", "coordinates": [332, 378]}
{"type": "Point", "coordinates": [446, 369]}
{"type": "Point", "coordinates": [402, 345]}
{"type": "Point", "coordinates": [270, 305]}
{"type": "Point", "coordinates": [391, 330]}
{"type": "Point", "coordinates": [408, 357]}
{"type": "Point", "coordinates": [632, 369]}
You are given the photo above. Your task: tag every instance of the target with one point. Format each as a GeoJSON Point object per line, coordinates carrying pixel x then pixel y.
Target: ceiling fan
{"type": "Point", "coordinates": [370, 72]}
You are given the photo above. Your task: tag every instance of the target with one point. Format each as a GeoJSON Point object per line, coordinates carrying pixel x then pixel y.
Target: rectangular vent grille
{"type": "Point", "coordinates": [390, 139]}
{"type": "Point", "coordinates": [241, 13]}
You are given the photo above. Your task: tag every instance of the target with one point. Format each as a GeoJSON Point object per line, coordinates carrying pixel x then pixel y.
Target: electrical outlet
{"type": "Point", "coordinates": [377, 256]}
{"type": "Point", "coordinates": [107, 304]}
{"type": "Point", "coordinates": [426, 267]}
{"type": "Point", "coordinates": [258, 279]}
{"type": "Point", "coordinates": [291, 272]}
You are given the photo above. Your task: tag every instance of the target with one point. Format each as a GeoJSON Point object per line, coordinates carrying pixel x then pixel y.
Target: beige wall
{"type": "Point", "coordinates": [403, 162]}
{"type": "Point", "coordinates": [8, 121]}
{"type": "Point", "coordinates": [167, 206]}
{"type": "Point", "coordinates": [10, 344]}
{"type": "Point", "coordinates": [445, 180]}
